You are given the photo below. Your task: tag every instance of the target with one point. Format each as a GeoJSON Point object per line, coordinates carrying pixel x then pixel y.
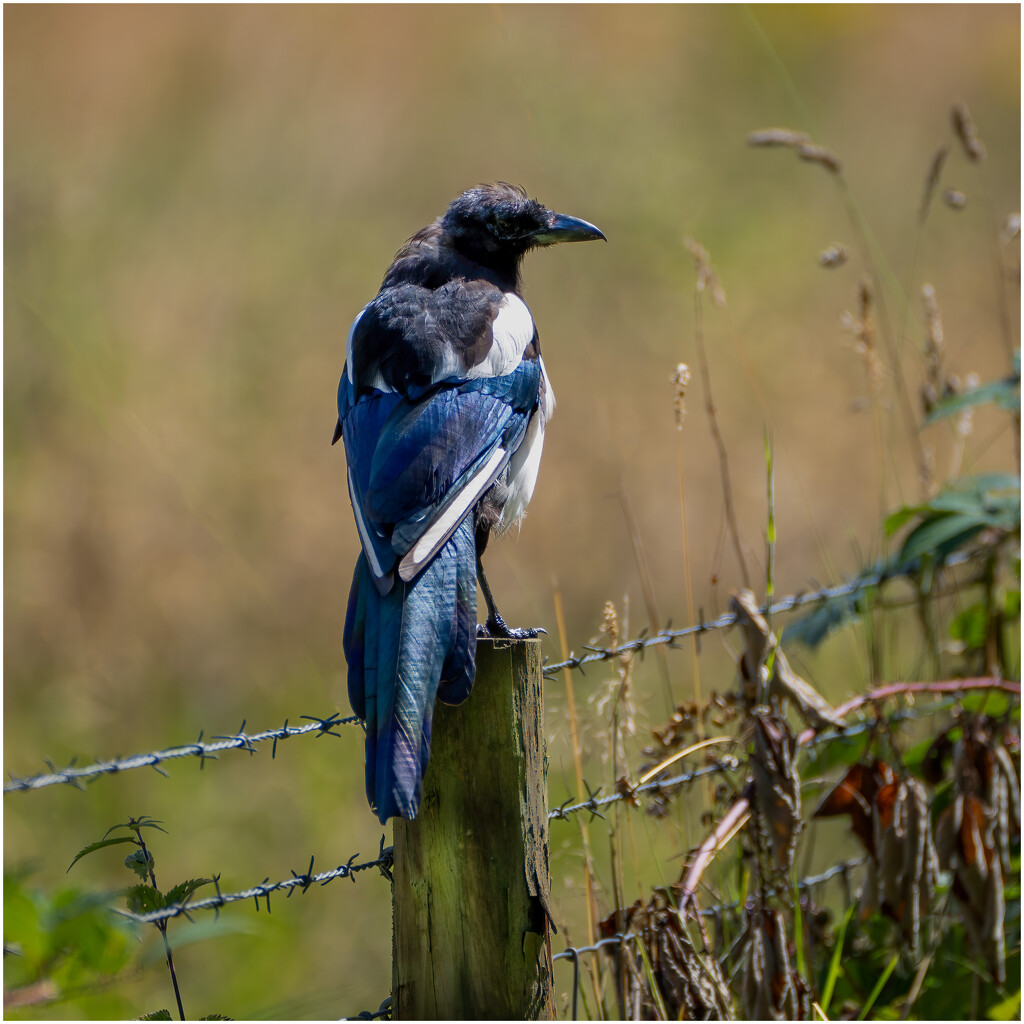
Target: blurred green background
{"type": "Point", "coordinates": [197, 201]}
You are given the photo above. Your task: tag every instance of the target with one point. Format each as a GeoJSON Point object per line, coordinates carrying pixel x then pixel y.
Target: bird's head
{"type": "Point", "coordinates": [496, 224]}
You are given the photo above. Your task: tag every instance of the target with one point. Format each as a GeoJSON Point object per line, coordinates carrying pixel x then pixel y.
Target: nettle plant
{"type": "Point", "coordinates": [146, 897]}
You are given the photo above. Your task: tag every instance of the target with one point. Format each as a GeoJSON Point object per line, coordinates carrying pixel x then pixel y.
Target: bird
{"type": "Point", "coordinates": [442, 406]}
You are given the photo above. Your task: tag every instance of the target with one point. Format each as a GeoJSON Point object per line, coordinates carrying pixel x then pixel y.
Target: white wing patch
{"type": "Point", "coordinates": [444, 525]}
{"type": "Point", "coordinates": [513, 330]}
{"type": "Point", "coordinates": [363, 528]}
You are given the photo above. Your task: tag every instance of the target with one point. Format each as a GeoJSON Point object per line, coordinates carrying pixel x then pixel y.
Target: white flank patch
{"type": "Point", "coordinates": [522, 472]}
{"type": "Point", "coordinates": [444, 526]}
{"type": "Point", "coordinates": [348, 345]}
{"type": "Point", "coordinates": [364, 531]}
{"type": "Point", "coordinates": [548, 407]}
{"type": "Point", "coordinates": [513, 330]}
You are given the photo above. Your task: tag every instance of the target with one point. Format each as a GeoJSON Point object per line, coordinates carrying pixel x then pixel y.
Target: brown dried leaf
{"type": "Point", "coordinates": [777, 786]}
{"type": "Point", "coordinates": [771, 987]}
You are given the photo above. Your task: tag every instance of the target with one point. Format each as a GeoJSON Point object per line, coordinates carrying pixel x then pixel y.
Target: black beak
{"type": "Point", "coordinates": [561, 228]}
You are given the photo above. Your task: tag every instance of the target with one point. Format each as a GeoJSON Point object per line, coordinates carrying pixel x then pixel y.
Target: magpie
{"type": "Point", "coordinates": [442, 406]}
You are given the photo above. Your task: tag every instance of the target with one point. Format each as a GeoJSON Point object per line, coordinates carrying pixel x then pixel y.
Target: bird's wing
{"type": "Point", "coordinates": [437, 394]}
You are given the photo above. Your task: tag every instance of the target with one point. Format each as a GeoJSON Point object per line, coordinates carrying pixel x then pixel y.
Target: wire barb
{"type": "Point", "coordinates": [670, 637]}
{"type": "Point", "coordinates": [241, 740]}
{"type": "Point", "coordinates": [263, 890]}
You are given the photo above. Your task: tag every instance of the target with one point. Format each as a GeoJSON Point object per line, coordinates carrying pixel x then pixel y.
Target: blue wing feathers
{"type": "Point", "coordinates": [416, 643]}
{"type": "Point", "coordinates": [403, 648]}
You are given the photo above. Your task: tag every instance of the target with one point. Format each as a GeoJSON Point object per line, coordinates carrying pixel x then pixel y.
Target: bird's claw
{"type": "Point", "coordinates": [495, 628]}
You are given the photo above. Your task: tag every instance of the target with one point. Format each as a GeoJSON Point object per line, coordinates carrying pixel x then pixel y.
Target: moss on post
{"type": "Point", "coordinates": [472, 889]}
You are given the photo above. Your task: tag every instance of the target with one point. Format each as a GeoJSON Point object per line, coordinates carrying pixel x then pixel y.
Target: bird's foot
{"type": "Point", "coordinates": [494, 629]}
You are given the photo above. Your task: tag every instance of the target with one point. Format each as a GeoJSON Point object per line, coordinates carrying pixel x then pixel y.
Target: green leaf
{"type": "Point", "coordinates": [183, 890]}
{"type": "Point", "coordinates": [991, 702]}
{"type": "Point", "coordinates": [158, 1015]}
{"type": "Point", "coordinates": [835, 963]}
{"type": "Point", "coordinates": [879, 985]}
{"type": "Point", "coordinates": [141, 862]}
{"type": "Point", "coordinates": [941, 535]}
{"type": "Point", "coordinates": [93, 847]}
{"type": "Point", "coordinates": [1007, 1009]}
{"type": "Point", "coordinates": [970, 627]}
{"type": "Point", "coordinates": [1004, 394]}
{"type": "Point", "coordinates": [143, 899]}
{"type": "Point", "coordinates": [838, 751]}
{"type": "Point", "coordinates": [137, 824]}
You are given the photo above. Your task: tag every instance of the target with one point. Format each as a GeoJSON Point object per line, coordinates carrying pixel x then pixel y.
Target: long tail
{"type": "Point", "coordinates": [404, 650]}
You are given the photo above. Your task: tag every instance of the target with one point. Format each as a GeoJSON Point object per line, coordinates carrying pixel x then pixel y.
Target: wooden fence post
{"type": "Point", "coordinates": [472, 889]}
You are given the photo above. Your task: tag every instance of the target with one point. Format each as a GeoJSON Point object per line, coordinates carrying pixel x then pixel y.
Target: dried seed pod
{"type": "Point", "coordinates": [954, 199]}
{"type": "Point", "coordinates": [681, 380]}
{"type": "Point", "coordinates": [777, 786]}
{"type": "Point", "coordinates": [834, 256]}
{"type": "Point", "coordinates": [691, 986]}
{"type": "Point", "coordinates": [771, 987]}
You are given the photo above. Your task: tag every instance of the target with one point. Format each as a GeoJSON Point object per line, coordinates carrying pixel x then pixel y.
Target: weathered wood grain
{"type": "Point", "coordinates": [472, 888]}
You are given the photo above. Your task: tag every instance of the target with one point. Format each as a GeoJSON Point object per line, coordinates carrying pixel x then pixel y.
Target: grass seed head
{"type": "Point", "coordinates": [932, 181]}
{"type": "Point", "coordinates": [778, 137]}
{"type": "Point", "coordinates": [681, 380]}
{"type": "Point", "coordinates": [967, 132]}
{"type": "Point", "coordinates": [815, 154]}
{"type": "Point", "coordinates": [707, 279]}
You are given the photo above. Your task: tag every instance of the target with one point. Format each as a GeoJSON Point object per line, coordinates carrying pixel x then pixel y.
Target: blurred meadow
{"type": "Point", "coordinates": [198, 200]}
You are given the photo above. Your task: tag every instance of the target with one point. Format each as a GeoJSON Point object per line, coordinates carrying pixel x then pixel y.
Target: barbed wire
{"type": "Point", "coordinates": [384, 1010]}
{"type": "Point", "coordinates": [74, 776]}
{"type": "Point", "coordinates": [594, 802]}
{"type": "Point", "coordinates": [241, 740]}
{"type": "Point", "coordinates": [301, 883]}
{"type": "Point", "coordinates": [785, 604]}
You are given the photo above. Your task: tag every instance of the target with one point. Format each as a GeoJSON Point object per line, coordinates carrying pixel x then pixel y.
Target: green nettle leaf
{"type": "Point", "coordinates": [141, 862]}
{"type": "Point", "coordinates": [159, 1015]}
{"type": "Point", "coordinates": [137, 824]}
{"type": "Point", "coordinates": [93, 847]}
{"type": "Point", "coordinates": [183, 890]}
{"type": "Point", "coordinates": [142, 899]}
{"type": "Point", "coordinates": [941, 535]}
